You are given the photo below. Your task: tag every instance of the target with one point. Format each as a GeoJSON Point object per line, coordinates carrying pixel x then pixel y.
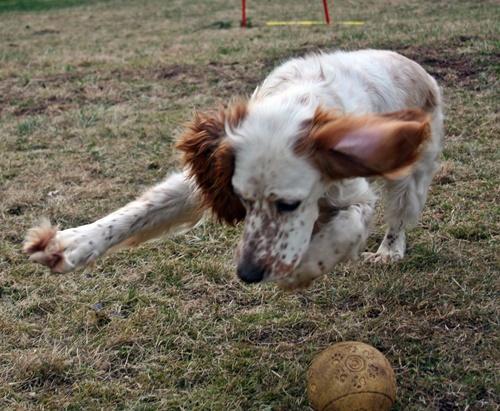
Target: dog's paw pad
{"type": "Point", "coordinates": [51, 260]}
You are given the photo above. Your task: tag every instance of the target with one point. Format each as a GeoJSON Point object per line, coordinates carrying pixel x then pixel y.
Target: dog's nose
{"type": "Point", "coordinates": [250, 272]}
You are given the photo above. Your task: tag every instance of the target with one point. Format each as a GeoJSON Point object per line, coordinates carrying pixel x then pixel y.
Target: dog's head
{"type": "Point", "coordinates": [269, 163]}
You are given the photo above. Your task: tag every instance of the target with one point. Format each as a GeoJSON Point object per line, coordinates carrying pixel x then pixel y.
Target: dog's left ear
{"type": "Point", "coordinates": [209, 158]}
{"type": "Point", "coordinates": [344, 146]}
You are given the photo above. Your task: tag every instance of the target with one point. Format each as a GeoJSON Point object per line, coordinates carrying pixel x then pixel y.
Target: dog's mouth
{"type": "Point", "coordinates": [289, 280]}
{"type": "Point", "coordinates": [273, 270]}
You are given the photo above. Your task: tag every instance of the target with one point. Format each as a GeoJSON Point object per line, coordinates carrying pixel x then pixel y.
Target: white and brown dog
{"type": "Point", "coordinates": [292, 162]}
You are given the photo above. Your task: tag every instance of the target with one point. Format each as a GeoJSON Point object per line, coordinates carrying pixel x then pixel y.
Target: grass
{"type": "Point", "coordinates": [40, 5]}
{"type": "Point", "coordinates": [91, 101]}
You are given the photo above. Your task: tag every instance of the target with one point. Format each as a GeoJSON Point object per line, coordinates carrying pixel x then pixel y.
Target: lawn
{"type": "Point", "coordinates": [92, 97]}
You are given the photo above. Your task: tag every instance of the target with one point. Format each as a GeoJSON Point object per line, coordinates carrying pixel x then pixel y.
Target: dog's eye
{"type": "Point", "coordinates": [285, 207]}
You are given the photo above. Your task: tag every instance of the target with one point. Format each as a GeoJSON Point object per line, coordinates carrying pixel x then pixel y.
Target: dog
{"type": "Point", "coordinates": [296, 162]}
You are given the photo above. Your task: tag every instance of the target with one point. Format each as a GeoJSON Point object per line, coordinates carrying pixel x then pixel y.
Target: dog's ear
{"type": "Point", "coordinates": [386, 145]}
{"type": "Point", "coordinates": [209, 157]}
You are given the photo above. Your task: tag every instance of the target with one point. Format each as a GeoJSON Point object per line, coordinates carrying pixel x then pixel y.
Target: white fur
{"type": "Point", "coordinates": [267, 170]}
{"type": "Point", "coordinates": [172, 205]}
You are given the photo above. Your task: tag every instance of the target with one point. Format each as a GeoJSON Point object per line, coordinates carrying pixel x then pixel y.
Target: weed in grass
{"type": "Point", "coordinates": [221, 24]}
{"type": "Point", "coordinates": [87, 118]}
{"type": "Point", "coordinates": [28, 126]}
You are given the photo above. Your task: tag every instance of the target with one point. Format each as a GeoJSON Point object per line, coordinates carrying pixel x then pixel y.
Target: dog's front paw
{"type": "Point", "coordinates": [391, 250]}
{"type": "Point", "coordinates": [384, 256]}
{"type": "Point", "coordinates": [61, 251]}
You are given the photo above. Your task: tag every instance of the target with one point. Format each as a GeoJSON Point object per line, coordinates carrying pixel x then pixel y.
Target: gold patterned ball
{"type": "Point", "coordinates": [351, 376]}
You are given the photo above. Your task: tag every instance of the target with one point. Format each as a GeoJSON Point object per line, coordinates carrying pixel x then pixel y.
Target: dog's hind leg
{"type": "Point", "coordinates": [170, 206]}
{"type": "Point", "coordinates": [405, 198]}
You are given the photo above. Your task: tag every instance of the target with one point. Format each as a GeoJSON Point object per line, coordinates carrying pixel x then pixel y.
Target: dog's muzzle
{"type": "Point", "coordinates": [250, 272]}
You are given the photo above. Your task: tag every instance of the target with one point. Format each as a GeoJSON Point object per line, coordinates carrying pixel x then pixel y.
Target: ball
{"type": "Point", "coordinates": [351, 376]}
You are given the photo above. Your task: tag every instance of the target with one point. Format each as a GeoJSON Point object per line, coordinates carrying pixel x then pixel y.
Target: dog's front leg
{"type": "Point", "coordinates": [168, 206]}
{"type": "Point", "coordinates": [341, 239]}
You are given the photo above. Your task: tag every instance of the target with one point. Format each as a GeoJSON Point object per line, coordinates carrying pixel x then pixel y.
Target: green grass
{"type": "Point", "coordinates": [40, 5]}
{"type": "Point", "coordinates": [91, 101]}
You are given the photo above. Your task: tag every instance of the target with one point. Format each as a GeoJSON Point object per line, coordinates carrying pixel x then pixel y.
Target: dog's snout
{"type": "Point", "coordinates": [250, 272]}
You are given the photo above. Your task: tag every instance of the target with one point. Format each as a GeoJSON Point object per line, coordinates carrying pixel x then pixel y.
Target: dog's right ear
{"type": "Point", "coordinates": [209, 157]}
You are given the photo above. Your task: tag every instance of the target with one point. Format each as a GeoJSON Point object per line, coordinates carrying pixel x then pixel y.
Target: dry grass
{"type": "Point", "coordinates": [91, 100]}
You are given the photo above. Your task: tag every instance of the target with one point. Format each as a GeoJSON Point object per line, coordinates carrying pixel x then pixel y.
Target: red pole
{"type": "Point", "coordinates": [243, 13]}
{"type": "Point", "coordinates": [327, 15]}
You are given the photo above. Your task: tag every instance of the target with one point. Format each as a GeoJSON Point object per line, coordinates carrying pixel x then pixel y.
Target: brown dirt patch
{"type": "Point", "coordinates": [454, 63]}
{"type": "Point", "coordinates": [113, 86]}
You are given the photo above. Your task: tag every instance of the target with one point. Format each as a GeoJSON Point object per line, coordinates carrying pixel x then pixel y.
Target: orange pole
{"type": "Point", "coordinates": [325, 7]}
{"type": "Point", "coordinates": [243, 13]}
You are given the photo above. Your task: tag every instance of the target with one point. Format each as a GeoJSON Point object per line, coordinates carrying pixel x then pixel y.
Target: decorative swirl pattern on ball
{"type": "Point", "coordinates": [355, 363]}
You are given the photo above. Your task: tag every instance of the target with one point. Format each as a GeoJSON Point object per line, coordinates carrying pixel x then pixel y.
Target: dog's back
{"type": "Point", "coordinates": [358, 82]}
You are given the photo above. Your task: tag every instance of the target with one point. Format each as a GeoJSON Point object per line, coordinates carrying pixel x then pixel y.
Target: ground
{"type": "Point", "coordinates": [92, 97]}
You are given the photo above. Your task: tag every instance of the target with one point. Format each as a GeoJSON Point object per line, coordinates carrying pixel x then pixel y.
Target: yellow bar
{"type": "Point", "coordinates": [311, 23]}
{"type": "Point", "coordinates": [294, 23]}
{"type": "Point", "coordinates": [352, 23]}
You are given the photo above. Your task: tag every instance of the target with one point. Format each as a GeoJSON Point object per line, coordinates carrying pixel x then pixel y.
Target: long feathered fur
{"type": "Point", "coordinates": [209, 158]}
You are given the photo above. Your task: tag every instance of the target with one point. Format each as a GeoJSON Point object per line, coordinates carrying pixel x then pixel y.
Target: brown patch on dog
{"type": "Point", "coordinates": [407, 115]}
{"type": "Point", "coordinates": [327, 212]}
{"type": "Point", "coordinates": [321, 118]}
{"type": "Point", "coordinates": [210, 159]}
{"type": "Point", "coordinates": [43, 248]}
{"type": "Point", "coordinates": [38, 238]}
{"type": "Point", "coordinates": [431, 100]}
{"type": "Point", "coordinates": [421, 90]}
{"type": "Point", "coordinates": [344, 146]}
